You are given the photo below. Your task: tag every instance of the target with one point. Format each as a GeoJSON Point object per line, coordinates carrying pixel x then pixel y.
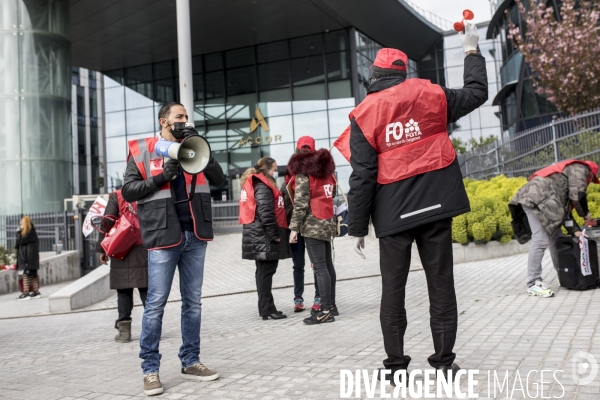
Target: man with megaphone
{"type": "Point", "coordinates": [174, 209]}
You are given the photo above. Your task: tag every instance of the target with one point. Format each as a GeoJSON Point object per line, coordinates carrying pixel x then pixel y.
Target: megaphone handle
{"type": "Point", "coordinates": [191, 196]}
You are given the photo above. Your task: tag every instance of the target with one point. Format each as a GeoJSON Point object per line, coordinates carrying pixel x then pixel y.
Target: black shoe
{"type": "Point", "coordinates": [319, 318]}
{"type": "Point", "coordinates": [275, 315]}
{"type": "Point", "coordinates": [335, 311]}
{"type": "Point", "coordinates": [35, 295]}
{"type": "Point", "coordinates": [390, 377]}
{"type": "Point", "coordinates": [453, 369]}
{"type": "Point", "coordinates": [24, 296]}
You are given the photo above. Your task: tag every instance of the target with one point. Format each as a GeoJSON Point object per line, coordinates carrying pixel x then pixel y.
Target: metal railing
{"type": "Point", "coordinates": [431, 17]}
{"type": "Point", "coordinates": [576, 137]}
{"type": "Point", "coordinates": [225, 213]}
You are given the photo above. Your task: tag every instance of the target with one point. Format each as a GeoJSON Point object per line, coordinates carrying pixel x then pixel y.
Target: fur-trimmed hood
{"type": "Point", "coordinates": [316, 163]}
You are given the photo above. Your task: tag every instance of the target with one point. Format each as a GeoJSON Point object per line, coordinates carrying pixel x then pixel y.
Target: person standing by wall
{"type": "Point", "coordinates": [176, 234]}
{"type": "Point", "coordinates": [127, 273]}
{"type": "Point", "coordinates": [314, 184]}
{"type": "Point", "coordinates": [28, 259]}
{"type": "Point", "coordinates": [305, 144]}
{"type": "Point", "coordinates": [264, 235]}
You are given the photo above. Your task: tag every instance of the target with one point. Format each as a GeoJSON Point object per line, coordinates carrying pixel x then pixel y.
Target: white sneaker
{"type": "Point", "coordinates": [540, 290]}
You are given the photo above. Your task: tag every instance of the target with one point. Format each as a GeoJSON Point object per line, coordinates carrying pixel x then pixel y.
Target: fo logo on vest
{"type": "Point", "coordinates": [328, 190]}
{"type": "Point", "coordinates": [243, 195]}
{"type": "Point", "coordinates": [410, 131]}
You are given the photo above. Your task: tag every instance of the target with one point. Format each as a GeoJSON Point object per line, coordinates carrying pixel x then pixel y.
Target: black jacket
{"type": "Point", "coordinates": [158, 219]}
{"type": "Point", "coordinates": [28, 252]}
{"type": "Point", "coordinates": [132, 271]}
{"type": "Point", "coordinates": [390, 206]}
{"type": "Point", "coordinates": [258, 237]}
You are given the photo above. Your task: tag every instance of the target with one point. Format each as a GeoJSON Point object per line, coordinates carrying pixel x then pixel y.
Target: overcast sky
{"type": "Point", "coordinates": [452, 9]}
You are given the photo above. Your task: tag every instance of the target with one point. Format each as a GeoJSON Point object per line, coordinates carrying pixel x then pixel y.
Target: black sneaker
{"type": "Point", "coordinates": [35, 295]}
{"type": "Point", "coordinates": [453, 369]}
{"type": "Point", "coordinates": [24, 296]}
{"type": "Point", "coordinates": [335, 311]}
{"type": "Point", "coordinates": [319, 318]}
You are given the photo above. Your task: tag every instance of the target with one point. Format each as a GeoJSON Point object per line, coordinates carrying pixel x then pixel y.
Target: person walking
{"type": "Point", "coordinates": [176, 228]}
{"type": "Point", "coordinates": [544, 203]}
{"type": "Point", "coordinates": [264, 234]}
{"type": "Point", "coordinates": [313, 184]}
{"type": "Point", "coordinates": [28, 259]}
{"type": "Point", "coordinates": [407, 180]}
{"type": "Point", "coordinates": [305, 144]}
{"type": "Point", "coordinates": [127, 273]}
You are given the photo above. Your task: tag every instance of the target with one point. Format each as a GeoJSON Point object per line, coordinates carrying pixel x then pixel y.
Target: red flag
{"type": "Point", "coordinates": [343, 143]}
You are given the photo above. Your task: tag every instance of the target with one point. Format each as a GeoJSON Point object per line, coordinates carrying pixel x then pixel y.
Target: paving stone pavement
{"type": "Point", "coordinates": [72, 356]}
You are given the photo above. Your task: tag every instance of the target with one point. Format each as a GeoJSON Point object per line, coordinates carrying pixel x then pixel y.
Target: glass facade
{"type": "Point", "coordinates": [484, 121]}
{"type": "Point", "coordinates": [35, 105]}
{"type": "Point", "coordinates": [300, 87]}
{"type": "Point", "coordinates": [88, 138]}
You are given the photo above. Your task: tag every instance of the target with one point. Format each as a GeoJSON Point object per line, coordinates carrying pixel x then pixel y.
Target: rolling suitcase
{"type": "Point", "coordinates": [570, 272]}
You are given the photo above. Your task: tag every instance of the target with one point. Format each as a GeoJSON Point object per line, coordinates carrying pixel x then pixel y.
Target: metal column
{"type": "Point", "coordinates": [184, 50]}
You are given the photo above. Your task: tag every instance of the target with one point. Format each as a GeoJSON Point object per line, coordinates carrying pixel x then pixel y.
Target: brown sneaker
{"type": "Point", "coordinates": [152, 384]}
{"type": "Point", "coordinates": [199, 372]}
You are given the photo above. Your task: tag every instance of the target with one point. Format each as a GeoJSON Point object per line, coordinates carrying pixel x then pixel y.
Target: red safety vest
{"type": "Point", "coordinates": [138, 149]}
{"type": "Point", "coordinates": [406, 125]}
{"type": "Point", "coordinates": [560, 166]}
{"type": "Point", "coordinates": [321, 195]}
{"type": "Point", "coordinates": [248, 202]}
{"type": "Point", "coordinates": [124, 207]}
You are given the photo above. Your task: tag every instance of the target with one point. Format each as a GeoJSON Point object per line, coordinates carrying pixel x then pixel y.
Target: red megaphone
{"type": "Point", "coordinates": [460, 26]}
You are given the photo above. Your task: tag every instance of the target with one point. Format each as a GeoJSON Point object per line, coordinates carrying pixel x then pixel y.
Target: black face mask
{"type": "Point", "coordinates": [178, 129]}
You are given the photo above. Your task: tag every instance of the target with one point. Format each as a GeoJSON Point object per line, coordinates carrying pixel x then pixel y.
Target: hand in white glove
{"type": "Point", "coordinates": [470, 38]}
{"type": "Point", "coordinates": [359, 243]}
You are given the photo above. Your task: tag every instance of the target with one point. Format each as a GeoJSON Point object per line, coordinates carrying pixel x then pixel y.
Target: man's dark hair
{"type": "Point", "coordinates": [166, 109]}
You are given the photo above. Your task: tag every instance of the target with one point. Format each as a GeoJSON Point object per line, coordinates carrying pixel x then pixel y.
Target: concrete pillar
{"type": "Point", "coordinates": [184, 50]}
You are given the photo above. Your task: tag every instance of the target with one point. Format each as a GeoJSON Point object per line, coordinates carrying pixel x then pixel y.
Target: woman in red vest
{"type": "Point", "coordinates": [313, 184]}
{"type": "Point", "coordinates": [264, 236]}
{"type": "Point", "coordinates": [543, 205]}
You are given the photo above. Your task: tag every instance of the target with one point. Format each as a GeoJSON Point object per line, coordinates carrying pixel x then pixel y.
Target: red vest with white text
{"type": "Point", "coordinates": [321, 195]}
{"type": "Point", "coordinates": [406, 125]}
{"type": "Point", "coordinates": [248, 201]}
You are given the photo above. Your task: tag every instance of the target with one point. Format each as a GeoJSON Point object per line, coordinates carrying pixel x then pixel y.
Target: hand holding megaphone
{"type": "Point", "coordinates": [460, 26]}
{"type": "Point", "coordinates": [193, 153]}
{"type": "Point", "coordinates": [467, 32]}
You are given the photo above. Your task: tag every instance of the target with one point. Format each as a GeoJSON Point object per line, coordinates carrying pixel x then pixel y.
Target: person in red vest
{"type": "Point", "coordinates": [406, 179]}
{"type": "Point", "coordinates": [264, 236]}
{"type": "Point", "coordinates": [305, 144]}
{"type": "Point", "coordinates": [543, 205]}
{"type": "Point", "coordinates": [313, 187]}
{"type": "Point", "coordinates": [176, 228]}
{"type": "Point", "coordinates": [127, 273]}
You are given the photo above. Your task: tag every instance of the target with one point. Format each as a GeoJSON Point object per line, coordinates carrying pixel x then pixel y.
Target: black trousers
{"type": "Point", "coordinates": [264, 283]}
{"type": "Point", "coordinates": [319, 252]}
{"type": "Point", "coordinates": [434, 242]}
{"type": "Point", "coordinates": [125, 303]}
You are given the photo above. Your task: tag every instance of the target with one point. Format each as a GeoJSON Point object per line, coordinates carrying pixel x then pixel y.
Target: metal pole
{"type": "Point", "coordinates": [554, 142]}
{"type": "Point", "coordinates": [184, 51]}
{"type": "Point", "coordinates": [497, 151]}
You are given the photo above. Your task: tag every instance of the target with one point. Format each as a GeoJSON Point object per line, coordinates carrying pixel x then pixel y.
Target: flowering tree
{"type": "Point", "coordinates": [562, 53]}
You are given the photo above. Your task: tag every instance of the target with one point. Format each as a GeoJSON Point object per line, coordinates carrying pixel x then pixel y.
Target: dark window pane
{"type": "Point", "coordinates": [163, 91]}
{"type": "Point", "coordinates": [273, 76]}
{"type": "Point", "coordinates": [214, 85]}
{"type": "Point", "coordinates": [307, 70]}
{"type": "Point", "coordinates": [544, 105]}
{"type": "Point", "coordinates": [93, 103]}
{"type": "Point", "coordinates": [241, 81]}
{"type": "Point", "coordinates": [163, 70]}
{"type": "Point", "coordinates": [239, 57]}
{"type": "Point", "coordinates": [528, 101]}
{"type": "Point", "coordinates": [307, 46]}
{"type": "Point", "coordinates": [142, 73]}
{"type": "Point", "coordinates": [338, 66]}
{"type": "Point", "coordinates": [198, 87]}
{"type": "Point", "coordinates": [214, 62]}
{"type": "Point", "coordinates": [197, 64]}
{"type": "Point", "coordinates": [272, 51]}
{"type": "Point", "coordinates": [336, 41]}
{"type": "Point", "coordinates": [117, 75]}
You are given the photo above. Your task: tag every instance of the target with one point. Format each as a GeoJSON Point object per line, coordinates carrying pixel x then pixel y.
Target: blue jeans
{"type": "Point", "coordinates": [298, 259]}
{"type": "Point", "coordinates": [189, 256]}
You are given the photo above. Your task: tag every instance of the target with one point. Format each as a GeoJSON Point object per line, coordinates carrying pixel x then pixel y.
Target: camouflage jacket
{"type": "Point", "coordinates": [303, 220]}
{"type": "Point", "coordinates": [552, 197]}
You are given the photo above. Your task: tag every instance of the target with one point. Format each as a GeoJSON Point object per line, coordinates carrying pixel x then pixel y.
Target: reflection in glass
{"type": "Point", "coordinates": [281, 129]}
{"type": "Point", "coordinates": [339, 121]}
{"type": "Point", "coordinates": [312, 124]}
{"type": "Point", "coordinates": [309, 98]}
{"type": "Point", "coordinates": [163, 70]}
{"type": "Point", "coordinates": [139, 96]}
{"type": "Point", "coordinates": [306, 46]}
{"type": "Point", "coordinates": [308, 70]}
{"type": "Point", "coordinates": [141, 73]}
{"type": "Point", "coordinates": [241, 81]}
{"type": "Point", "coordinates": [241, 106]}
{"type": "Point", "coordinates": [272, 51]}
{"type": "Point", "coordinates": [239, 57]}
{"type": "Point", "coordinates": [273, 76]}
{"type": "Point", "coordinates": [338, 66]}
{"type": "Point", "coordinates": [116, 149]}
{"type": "Point", "coordinates": [336, 41]}
{"type": "Point", "coordinates": [280, 152]}
{"type": "Point", "coordinates": [215, 85]}
{"type": "Point", "coordinates": [140, 120]}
